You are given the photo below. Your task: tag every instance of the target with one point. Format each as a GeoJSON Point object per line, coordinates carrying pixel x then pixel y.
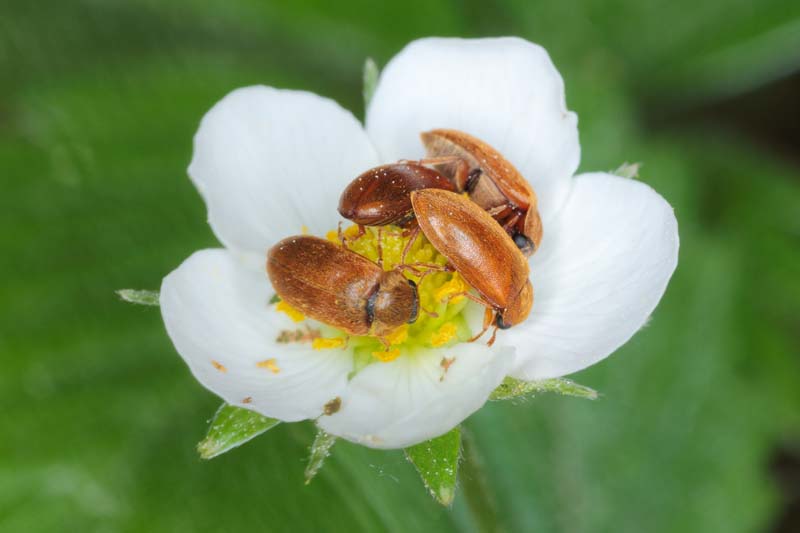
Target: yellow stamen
{"type": "Point", "coordinates": [398, 336]}
{"type": "Point", "coordinates": [351, 231]}
{"type": "Point", "coordinates": [386, 356]}
{"type": "Point", "coordinates": [333, 236]}
{"type": "Point", "coordinates": [323, 343]}
{"type": "Point", "coordinates": [293, 313]}
{"type": "Point", "coordinates": [269, 364]}
{"type": "Point", "coordinates": [219, 366]}
{"type": "Point", "coordinates": [456, 285]}
{"type": "Point", "coordinates": [304, 229]}
{"type": "Point", "coordinates": [444, 335]}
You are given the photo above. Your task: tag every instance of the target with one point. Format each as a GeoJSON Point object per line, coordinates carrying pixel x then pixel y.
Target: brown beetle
{"type": "Point", "coordinates": [340, 287]}
{"type": "Point", "coordinates": [380, 196]}
{"type": "Point", "coordinates": [491, 181]}
{"type": "Point", "coordinates": [478, 248]}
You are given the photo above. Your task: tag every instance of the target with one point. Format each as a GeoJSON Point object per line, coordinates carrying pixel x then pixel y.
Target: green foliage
{"type": "Point", "coordinates": [231, 427]}
{"type": "Point", "coordinates": [98, 105]}
{"type": "Point", "coordinates": [436, 460]}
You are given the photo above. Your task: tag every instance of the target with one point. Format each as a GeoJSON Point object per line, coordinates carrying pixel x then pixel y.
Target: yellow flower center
{"type": "Point", "coordinates": [440, 321]}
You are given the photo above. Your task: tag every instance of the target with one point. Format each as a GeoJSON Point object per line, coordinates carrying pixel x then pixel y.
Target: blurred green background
{"type": "Point", "coordinates": [698, 428]}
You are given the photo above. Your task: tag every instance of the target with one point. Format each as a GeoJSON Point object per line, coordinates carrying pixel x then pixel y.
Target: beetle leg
{"type": "Point", "coordinates": [431, 266]}
{"type": "Point", "coordinates": [497, 211]}
{"type": "Point", "coordinates": [412, 238]}
{"type": "Point", "coordinates": [463, 179]}
{"type": "Point", "coordinates": [492, 338]}
{"type": "Point", "coordinates": [458, 171]}
{"type": "Point", "coordinates": [488, 318]}
{"type": "Point", "coordinates": [362, 230]}
{"type": "Point", "coordinates": [472, 297]}
{"type": "Point", "coordinates": [379, 244]}
{"type": "Point", "coordinates": [434, 161]}
{"type": "Point", "coordinates": [432, 314]}
{"type": "Point", "coordinates": [511, 221]}
{"type": "Point", "coordinates": [340, 233]}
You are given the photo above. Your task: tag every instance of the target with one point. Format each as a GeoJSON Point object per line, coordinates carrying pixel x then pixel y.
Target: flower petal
{"type": "Point", "coordinates": [218, 316]}
{"type": "Point", "coordinates": [602, 268]}
{"type": "Point", "coordinates": [417, 397]}
{"type": "Point", "coordinates": [268, 161]}
{"type": "Point", "coordinates": [505, 91]}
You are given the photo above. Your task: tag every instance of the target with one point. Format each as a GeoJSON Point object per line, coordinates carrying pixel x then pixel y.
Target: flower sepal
{"type": "Point", "coordinates": [437, 460]}
{"type": "Point", "coordinates": [513, 388]}
{"type": "Point", "coordinates": [141, 297]}
{"type": "Point", "coordinates": [231, 427]}
{"type": "Point", "coordinates": [320, 450]}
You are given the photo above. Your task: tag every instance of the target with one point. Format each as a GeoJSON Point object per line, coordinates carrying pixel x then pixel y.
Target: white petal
{"type": "Point", "coordinates": [505, 91]}
{"type": "Point", "coordinates": [269, 161]}
{"type": "Point", "coordinates": [218, 316]}
{"type": "Point", "coordinates": [602, 268]}
{"type": "Point", "coordinates": [413, 398]}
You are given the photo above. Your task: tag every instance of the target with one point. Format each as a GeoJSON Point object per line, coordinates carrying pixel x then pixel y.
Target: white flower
{"type": "Point", "coordinates": [269, 161]}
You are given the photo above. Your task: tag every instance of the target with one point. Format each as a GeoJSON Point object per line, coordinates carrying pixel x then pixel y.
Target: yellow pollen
{"type": "Point", "coordinates": [351, 231]}
{"type": "Point", "coordinates": [386, 356]}
{"type": "Point", "coordinates": [444, 334]}
{"type": "Point", "coordinates": [269, 364]}
{"type": "Point", "coordinates": [438, 291]}
{"type": "Point", "coordinates": [456, 285]}
{"type": "Point", "coordinates": [323, 343]}
{"type": "Point", "coordinates": [304, 229]}
{"type": "Point", "coordinates": [293, 313]}
{"type": "Point", "coordinates": [219, 366]}
{"type": "Point", "coordinates": [398, 336]}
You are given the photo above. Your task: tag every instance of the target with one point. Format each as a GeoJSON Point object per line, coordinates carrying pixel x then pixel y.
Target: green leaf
{"type": "Point", "coordinates": [514, 388]}
{"type": "Point", "coordinates": [436, 461]}
{"type": "Point", "coordinates": [371, 74]}
{"type": "Point", "coordinates": [320, 450]}
{"type": "Point", "coordinates": [140, 297]}
{"type": "Point", "coordinates": [232, 427]}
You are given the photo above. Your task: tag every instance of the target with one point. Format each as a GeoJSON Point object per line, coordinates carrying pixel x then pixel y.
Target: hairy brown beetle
{"type": "Point", "coordinates": [380, 196]}
{"type": "Point", "coordinates": [491, 181]}
{"type": "Point", "coordinates": [478, 248]}
{"type": "Point", "coordinates": [340, 287]}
